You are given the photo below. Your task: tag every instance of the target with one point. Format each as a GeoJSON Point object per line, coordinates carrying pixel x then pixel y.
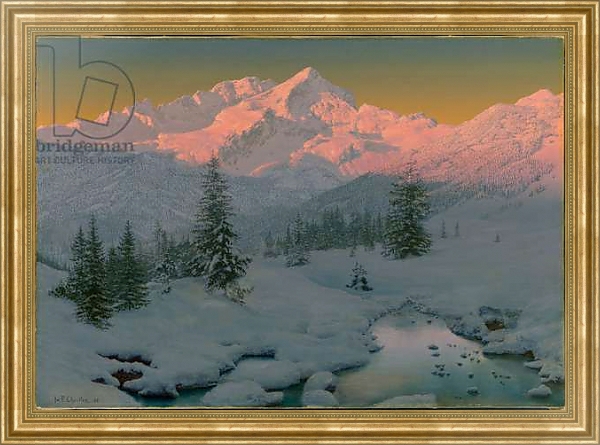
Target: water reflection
{"type": "Point", "coordinates": [421, 355]}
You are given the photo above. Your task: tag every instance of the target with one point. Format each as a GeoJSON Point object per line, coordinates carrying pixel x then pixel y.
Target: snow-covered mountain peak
{"type": "Point", "coordinates": [309, 79]}
{"type": "Point", "coordinates": [307, 94]}
{"type": "Point", "coordinates": [233, 91]}
{"type": "Point", "coordinates": [307, 74]}
{"type": "Point", "coordinates": [541, 98]}
{"type": "Point", "coordinates": [421, 118]}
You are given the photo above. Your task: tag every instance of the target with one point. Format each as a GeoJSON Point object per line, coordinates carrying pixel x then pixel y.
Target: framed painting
{"type": "Point", "coordinates": [300, 222]}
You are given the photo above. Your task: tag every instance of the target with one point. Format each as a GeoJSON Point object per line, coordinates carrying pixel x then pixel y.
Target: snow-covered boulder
{"type": "Point", "coordinates": [245, 394]}
{"type": "Point", "coordinates": [511, 344]}
{"type": "Point", "coordinates": [409, 401]}
{"type": "Point", "coordinates": [541, 391]}
{"type": "Point", "coordinates": [495, 318]}
{"type": "Point", "coordinates": [468, 326]}
{"type": "Point", "coordinates": [270, 374]}
{"type": "Point", "coordinates": [535, 364]}
{"type": "Point", "coordinates": [552, 373]}
{"type": "Point", "coordinates": [319, 397]}
{"type": "Point", "coordinates": [151, 388]}
{"type": "Point", "coordinates": [165, 381]}
{"type": "Point", "coordinates": [321, 380]}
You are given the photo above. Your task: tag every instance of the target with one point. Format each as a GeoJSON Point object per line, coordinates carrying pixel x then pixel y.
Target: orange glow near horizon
{"type": "Point", "coordinates": [449, 79]}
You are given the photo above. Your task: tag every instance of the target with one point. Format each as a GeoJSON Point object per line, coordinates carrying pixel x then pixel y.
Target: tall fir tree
{"type": "Point", "coordinates": [287, 242]}
{"type": "Point", "coordinates": [113, 264]}
{"type": "Point", "coordinates": [159, 240]}
{"type": "Point", "coordinates": [367, 236]}
{"type": "Point", "coordinates": [215, 257]}
{"type": "Point", "coordinates": [269, 250]}
{"type": "Point", "coordinates": [94, 306]}
{"type": "Point", "coordinates": [166, 268]}
{"type": "Point", "coordinates": [131, 292]}
{"type": "Point", "coordinates": [182, 256]}
{"type": "Point", "coordinates": [73, 286]}
{"type": "Point", "coordinates": [379, 229]}
{"type": "Point", "coordinates": [405, 233]}
{"type": "Point", "coordinates": [298, 253]}
{"type": "Point", "coordinates": [443, 233]}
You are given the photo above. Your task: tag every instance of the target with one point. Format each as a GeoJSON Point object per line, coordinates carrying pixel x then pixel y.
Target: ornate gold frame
{"type": "Point", "coordinates": [575, 21]}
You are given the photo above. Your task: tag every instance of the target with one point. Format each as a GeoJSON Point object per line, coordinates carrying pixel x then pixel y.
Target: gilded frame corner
{"type": "Point", "coordinates": [576, 22]}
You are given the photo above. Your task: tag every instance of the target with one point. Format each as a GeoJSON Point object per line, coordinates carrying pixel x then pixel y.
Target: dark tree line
{"type": "Point", "coordinates": [331, 230]}
{"type": "Point", "coordinates": [401, 233]}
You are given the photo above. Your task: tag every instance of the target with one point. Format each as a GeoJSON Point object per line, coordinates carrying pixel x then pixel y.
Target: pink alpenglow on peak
{"type": "Point", "coordinates": [232, 91]}
{"type": "Point", "coordinates": [541, 98]}
{"type": "Point", "coordinates": [264, 127]}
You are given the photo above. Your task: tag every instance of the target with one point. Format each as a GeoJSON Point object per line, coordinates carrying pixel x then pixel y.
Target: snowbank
{"type": "Point", "coordinates": [409, 401]}
{"type": "Point", "coordinates": [189, 339]}
{"type": "Point", "coordinates": [319, 397]}
{"type": "Point", "coordinates": [321, 380]}
{"type": "Point", "coordinates": [540, 391]}
{"type": "Point", "coordinates": [270, 374]}
{"type": "Point", "coordinates": [246, 394]}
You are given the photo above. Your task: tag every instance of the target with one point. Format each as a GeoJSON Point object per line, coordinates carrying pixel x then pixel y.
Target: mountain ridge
{"type": "Point", "coordinates": [260, 127]}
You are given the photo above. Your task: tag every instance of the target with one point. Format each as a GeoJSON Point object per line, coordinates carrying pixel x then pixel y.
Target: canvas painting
{"type": "Point", "coordinates": [308, 222]}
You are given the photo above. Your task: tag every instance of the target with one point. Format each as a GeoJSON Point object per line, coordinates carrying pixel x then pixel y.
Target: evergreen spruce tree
{"type": "Point", "coordinates": [94, 305]}
{"type": "Point", "coordinates": [132, 292]}
{"type": "Point", "coordinates": [113, 264]}
{"type": "Point", "coordinates": [159, 241]}
{"type": "Point", "coordinates": [269, 250]}
{"type": "Point", "coordinates": [182, 256]}
{"type": "Point", "coordinates": [339, 229]}
{"type": "Point", "coordinates": [215, 258]}
{"type": "Point", "coordinates": [353, 230]}
{"type": "Point", "coordinates": [288, 242]}
{"type": "Point", "coordinates": [166, 269]}
{"type": "Point", "coordinates": [367, 237]}
{"type": "Point", "coordinates": [280, 246]}
{"type": "Point", "coordinates": [359, 279]}
{"type": "Point", "coordinates": [72, 287]}
{"type": "Point", "coordinates": [405, 234]}
{"type": "Point", "coordinates": [298, 253]}
{"type": "Point", "coordinates": [378, 229]}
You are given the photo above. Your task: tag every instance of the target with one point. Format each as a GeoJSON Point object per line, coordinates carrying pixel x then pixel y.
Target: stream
{"type": "Point", "coordinates": [421, 355]}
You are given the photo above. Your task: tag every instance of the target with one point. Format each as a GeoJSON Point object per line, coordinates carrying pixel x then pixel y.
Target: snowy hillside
{"type": "Point", "coordinates": [304, 320]}
{"type": "Point", "coordinates": [154, 187]}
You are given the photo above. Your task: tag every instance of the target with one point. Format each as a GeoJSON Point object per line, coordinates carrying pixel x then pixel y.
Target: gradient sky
{"type": "Point", "coordinates": [449, 79]}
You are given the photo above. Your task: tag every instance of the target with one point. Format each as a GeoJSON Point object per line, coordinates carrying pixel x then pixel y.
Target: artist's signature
{"type": "Point", "coordinates": [75, 400]}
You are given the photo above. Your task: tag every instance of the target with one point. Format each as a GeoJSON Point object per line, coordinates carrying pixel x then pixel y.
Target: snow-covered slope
{"type": "Point", "coordinates": [306, 321]}
{"type": "Point", "coordinates": [154, 187]}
